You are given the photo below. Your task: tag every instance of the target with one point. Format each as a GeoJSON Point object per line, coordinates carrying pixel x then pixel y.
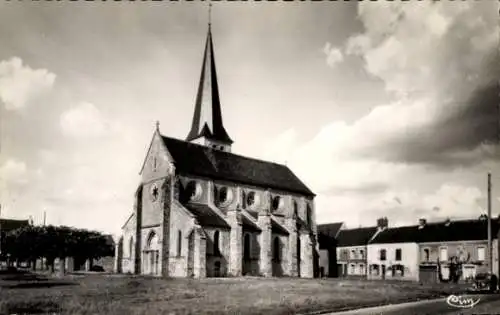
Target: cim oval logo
{"type": "Point", "coordinates": [462, 302]}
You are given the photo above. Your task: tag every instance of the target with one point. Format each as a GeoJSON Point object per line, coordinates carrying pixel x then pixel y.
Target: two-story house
{"type": "Point", "coordinates": [464, 241]}
{"type": "Point", "coordinates": [352, 249]}
{"type": "Point", "coordinates": [393, 254]}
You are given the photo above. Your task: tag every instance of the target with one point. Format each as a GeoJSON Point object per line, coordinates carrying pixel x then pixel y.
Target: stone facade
{"type": "Point", "coordinates": [189, 249]}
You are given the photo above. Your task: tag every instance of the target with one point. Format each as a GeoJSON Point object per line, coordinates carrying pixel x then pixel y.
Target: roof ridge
{"type": "Point", "coordinates": [359, 228]}
{"type": "Point", "coordinates": [224, 152]}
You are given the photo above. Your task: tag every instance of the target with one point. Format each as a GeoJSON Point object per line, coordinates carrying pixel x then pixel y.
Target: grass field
{"type": "Point", "coordinates": [113, 294]}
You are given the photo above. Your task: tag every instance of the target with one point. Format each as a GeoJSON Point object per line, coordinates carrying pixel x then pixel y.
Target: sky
{"type": "Point", "coordinates": [382, 109]}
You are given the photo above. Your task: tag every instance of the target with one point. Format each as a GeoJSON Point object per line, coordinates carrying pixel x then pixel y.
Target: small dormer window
{"type": "Point", "coordinates": [221, 148]}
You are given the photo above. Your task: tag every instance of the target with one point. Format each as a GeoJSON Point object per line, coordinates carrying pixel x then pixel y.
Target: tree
{"type": "Point", "coordinates": [30, 243]}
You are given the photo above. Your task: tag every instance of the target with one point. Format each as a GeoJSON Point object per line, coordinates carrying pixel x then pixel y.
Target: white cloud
{"type": "Point", "coordinates": [20, 84]}
{"type": "Point", "coordinates": [424, 46]}
{"type": "Point", "coordinates": [333, 55]}
{"type": "Point", "coordinates": [86, 121]}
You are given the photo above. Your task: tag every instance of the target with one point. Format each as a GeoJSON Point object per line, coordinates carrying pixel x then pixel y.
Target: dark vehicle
{"type": "Point", "coordinates": [485, 282]}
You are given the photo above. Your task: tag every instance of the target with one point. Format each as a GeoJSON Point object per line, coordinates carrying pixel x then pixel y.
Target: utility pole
{"type": "Point", "coordinates": [490, 256]}
{"type": "Point", "coordinates": [0, 229]}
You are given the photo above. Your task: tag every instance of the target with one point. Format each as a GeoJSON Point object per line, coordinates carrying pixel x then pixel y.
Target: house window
{"type": "Point", "coordinates": [426, 255]}
{"type": "Point", "coordinates": [398, 254]}
{"type": "Point", "coordinates": [383, 253]}
{"type": "Point", "coordinates": [155, 164]}
{"type": "Point", "coordinates": [481, 253]}
{"type": "Point", "coordinates": [374, 270]}
{"type": "Point", "coordinates": [179, 243]}
{"type": "Point", "coordinates": [362, 269]}
{"type": "Point", "coordinates": [352, 269]}
{"type": "Point", "coordinates": [353, 254]}
{"type": "Point", "coordinates": [443, 254]}
{"type": "Point", "coordinates": [361, 254]}
{"type": "Point", "coordinates": [345, 254]}
{"type": "Point", "coordinates": [216, 243]}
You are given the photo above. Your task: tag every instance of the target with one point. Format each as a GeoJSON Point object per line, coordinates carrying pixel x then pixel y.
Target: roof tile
{"type": "Point", "coordinates": [195, 159]}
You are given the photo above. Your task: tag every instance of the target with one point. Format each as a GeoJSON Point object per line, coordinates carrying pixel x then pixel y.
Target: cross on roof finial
{"type": "Point", "coordinates": [157, 125]}
{"type": "Point", "coordinates": [210, 14]}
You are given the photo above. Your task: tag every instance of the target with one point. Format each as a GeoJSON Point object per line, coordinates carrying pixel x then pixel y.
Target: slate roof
{"type": "Point", "coordinates": [277, 228]}
{"type": "Point", "coordinates": [254, 214]}
{"type": "Point", "coordinates": [7, 225]}
{"type": "Point", "coordinates": [195, 159]}
{"type": "Point", "coordinates": [463, 230]}
{"type": "Point", "coordinates": [330, 229]}
{"type": "Point", "coordinates": [249, 225]}
{"type": "Point", "coordinates": [206, 216]}
{"type": "Point", "coordinates": [355, 237]}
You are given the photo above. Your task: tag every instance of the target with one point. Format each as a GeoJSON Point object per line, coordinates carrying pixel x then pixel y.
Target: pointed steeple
{"type": "Point", "coordinates": [207, 117]}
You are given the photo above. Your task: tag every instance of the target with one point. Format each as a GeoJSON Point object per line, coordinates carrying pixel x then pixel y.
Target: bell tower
{"type": "Point", "coordinates": [207, 127]}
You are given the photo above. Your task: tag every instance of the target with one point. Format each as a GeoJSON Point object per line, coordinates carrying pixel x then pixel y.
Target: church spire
{"type": "Point", "coordinates": [207, 123]}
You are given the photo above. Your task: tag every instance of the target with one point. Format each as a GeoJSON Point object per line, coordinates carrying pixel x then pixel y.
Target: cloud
{"type": "Point", "coordinates": [333, 55]}
{"type": "Point", "coordinates": [20, 84]}
{"type": "Point", "coordinates": [86, 121]}
{"type": "Point", "coordinates": [443, 73]}
{"type": "Point", "coordinates": [443, 115]}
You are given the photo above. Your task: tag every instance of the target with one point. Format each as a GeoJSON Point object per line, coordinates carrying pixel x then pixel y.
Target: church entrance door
{"type": "Point", "coordinates": [152, 255]}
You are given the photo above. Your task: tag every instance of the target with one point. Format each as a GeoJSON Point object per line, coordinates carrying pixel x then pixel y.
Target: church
{"type": "Point", "coordinates": [203, 211]}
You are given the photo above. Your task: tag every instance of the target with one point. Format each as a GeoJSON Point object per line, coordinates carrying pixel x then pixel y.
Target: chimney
{"type": "Point", "coordinates": [421, 223]}
{"type": "Point", "coordinates": [382, 223]}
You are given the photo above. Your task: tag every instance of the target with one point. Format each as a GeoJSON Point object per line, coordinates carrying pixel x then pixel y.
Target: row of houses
{"type": "Point", "coordinates": [422, 252]}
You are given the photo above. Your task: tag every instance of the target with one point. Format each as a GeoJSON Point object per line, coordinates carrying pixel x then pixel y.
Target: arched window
{"type": "Point", "coordinates": [152, 241]}
{"type": "Point", "coordinates": [295, 209]}
{"type": "Point", "coordinates": [246, 247]}
{"type": "Point", "coordinates": [216, 243]}
{"type": "Point", "coordinates": [276, 203]}
{"type": "Point", "coordinates": [309, 215]}
{"type": "Point", "coordinates": [276, 250]}
{"type": "Point", "coordinates": [130, 247]}
{"type": "Point", "coordinates": [179, 243]}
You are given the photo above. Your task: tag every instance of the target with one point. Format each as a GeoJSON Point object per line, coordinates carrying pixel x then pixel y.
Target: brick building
{"type": "Point", "coordinates": [202, 211]}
